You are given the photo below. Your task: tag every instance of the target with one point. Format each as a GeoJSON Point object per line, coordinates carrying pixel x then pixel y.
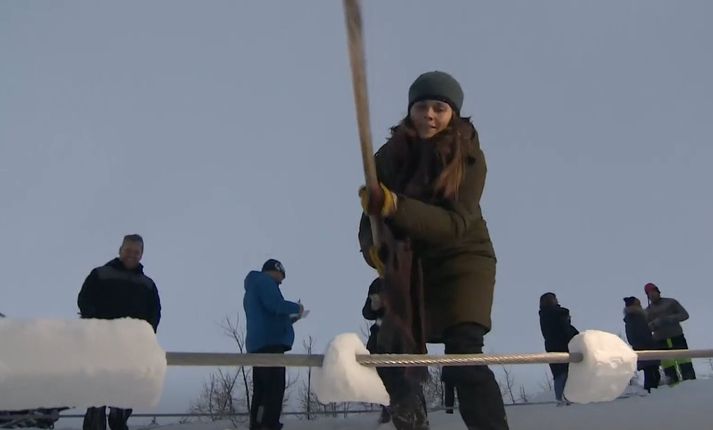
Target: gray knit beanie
{"type": "Point", "coordinates": [436, 86]}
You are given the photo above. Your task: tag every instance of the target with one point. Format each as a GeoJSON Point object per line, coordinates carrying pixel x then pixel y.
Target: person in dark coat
{"type": "Point", "coordinates": [665, 316]}
{"type": "Point", "coordinates": [373, 310]}
{"type": "Point", "coordinates": [557, 330]}
{"type": "Point", "coordinates": [269, 330]}
{"type": "Point", "coordinates": [119, 289]}
{"type": "Point", "coordinates": [432, 175]}
{"type": "Point", "coordinates": [639, 337]}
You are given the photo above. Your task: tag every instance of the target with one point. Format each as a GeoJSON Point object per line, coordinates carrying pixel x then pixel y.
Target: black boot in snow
{"type": "Point", "coordinates": [687, 372]}
{"type": "Point", "coordinates": [385, 416]}
{"type": "Point", "coordinates": [409, 415]}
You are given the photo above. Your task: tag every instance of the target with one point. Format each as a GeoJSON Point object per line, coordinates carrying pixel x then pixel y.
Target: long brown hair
{"type": "Point", "coordinates": [451, 147]}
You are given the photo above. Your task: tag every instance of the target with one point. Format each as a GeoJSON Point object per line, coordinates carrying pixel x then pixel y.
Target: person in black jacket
{"type": "Point", "coordinates": [119, 289]}
{"type": "Point", "coordinates": [665, 316]}
{"type": "Point", "coordinates": [557, 329]}
{"type": "Point", "coordinates": [373, 310]}
{"type": "Point", "coordinates": [639, 337]}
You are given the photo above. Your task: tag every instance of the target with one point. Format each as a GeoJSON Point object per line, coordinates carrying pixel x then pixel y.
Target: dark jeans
{"type": "Point", "coordinates": [371, 346]}
{"type": "Point", "coordinates": [268, 394]}
{"type": "Point", "coordinates": [560, 380]}
{"type": "Point", "coordinates": [652, 377]}
{"type": "Point", "coordinates": [481, 404]}
{"type": "Point", "coordinates": [671, 367]}
{"type": "Point", "coordinates": [95, 418]}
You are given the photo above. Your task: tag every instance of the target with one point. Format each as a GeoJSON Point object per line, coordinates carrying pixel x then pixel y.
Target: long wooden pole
{"type": "Point", "coordinates": [355, 40]}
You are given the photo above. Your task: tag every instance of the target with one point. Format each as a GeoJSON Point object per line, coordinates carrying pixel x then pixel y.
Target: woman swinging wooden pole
{"type": "Point", "coordinates": [434, 250]}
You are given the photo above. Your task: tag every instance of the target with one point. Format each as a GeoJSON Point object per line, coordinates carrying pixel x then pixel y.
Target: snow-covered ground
{"type": "Point", "coordinates": [685, 406]}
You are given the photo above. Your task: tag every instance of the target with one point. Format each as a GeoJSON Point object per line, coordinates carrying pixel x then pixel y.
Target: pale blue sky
{"type": "Point", "coordinates": [225, 133]}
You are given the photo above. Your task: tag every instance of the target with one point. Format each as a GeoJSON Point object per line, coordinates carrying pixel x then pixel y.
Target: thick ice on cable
{"type": "Point", "coordinates": [79, 363]}
{"type": "Point", "coordinates": [342, 379]}
{"type": "Point", "coordinates": [608, 366]}
{"type": "Point", "coordinates": [603, 375]}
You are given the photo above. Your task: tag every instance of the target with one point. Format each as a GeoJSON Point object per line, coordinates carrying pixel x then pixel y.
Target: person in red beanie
{"type": "Point", "coordinates": [665, 315]}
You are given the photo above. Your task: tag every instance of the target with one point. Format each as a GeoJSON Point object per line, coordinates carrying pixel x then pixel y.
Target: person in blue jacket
{"type": "Point", "coordinates": [269, 330]}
